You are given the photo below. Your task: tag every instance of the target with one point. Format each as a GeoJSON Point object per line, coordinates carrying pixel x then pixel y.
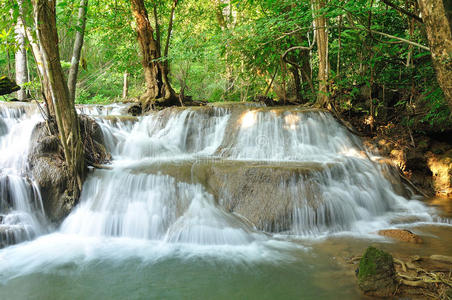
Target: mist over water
{"type": "Point", "coordinates": [152, 208]}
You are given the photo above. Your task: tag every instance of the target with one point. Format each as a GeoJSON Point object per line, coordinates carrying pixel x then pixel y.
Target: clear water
{"type": "Point", "coordinates": [139, 233]}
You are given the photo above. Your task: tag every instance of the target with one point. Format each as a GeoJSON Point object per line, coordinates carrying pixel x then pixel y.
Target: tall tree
{"type": "Point", "coordinates": [440, 39]}
{"type": "Point", "coordinates": [65, 114]}
{"type": "Point", "coordinates": [78, 44]}
{"type": "Point", "coordinates": [158, 87]}
{"type": "Point", "coordinates": [21, 56]}
{"type": "Point", "coordinates": [320, 23]}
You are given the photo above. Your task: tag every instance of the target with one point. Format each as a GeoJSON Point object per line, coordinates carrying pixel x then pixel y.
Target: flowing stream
{"type": "Point", "coordinates": [206, 203]}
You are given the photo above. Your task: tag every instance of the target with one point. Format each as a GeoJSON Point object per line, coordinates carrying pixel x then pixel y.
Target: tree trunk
{"type": "Point", "coordinates": [158, 87]}
{"type": "Point", "coordinates": [339, 46]}
{"type": "Point", "coordinates": [440, 41]}
{"type": "Point", "coordinates": [65, 113]}
{"type": "Point", "coordinates": [322, 50]}
{"type": "Point", "coordinates": [78, 44]}
{"type": "Point", "coordinates": [21, 57]}
{"type": "Point", "coordinates": [223, 23]}
{"type": "Point", "coordinates": [297, 82]}
{"type": "Point", "coordinates": [37, 54]}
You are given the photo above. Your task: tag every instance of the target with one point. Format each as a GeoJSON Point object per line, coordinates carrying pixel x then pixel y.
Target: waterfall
{"type": "Point", "coordinates": [21, 209]}
{"type": "Point", "coordinates": [240, 184]}
{"type": "Point", "coordinates": [160, 185]}
{"type": "Point", "coordinates": [211, 176]}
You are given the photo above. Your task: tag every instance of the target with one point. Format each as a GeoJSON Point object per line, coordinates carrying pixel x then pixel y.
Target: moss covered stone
{"type": "Point", "coordinates": [376, 274]}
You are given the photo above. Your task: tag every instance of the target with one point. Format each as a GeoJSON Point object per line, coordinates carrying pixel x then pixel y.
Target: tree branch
{"type": "Point", "coordinates": [157, 28]}
{"type": "Point", "coordinates": [403, 11]}
{"type": "Point", "coordinates": [170, 28]}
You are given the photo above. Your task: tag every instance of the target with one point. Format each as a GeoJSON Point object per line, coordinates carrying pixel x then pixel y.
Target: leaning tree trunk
{"type": "Point", "coordinates": [78, 44]}
{"type": "Point", "coordinates": [322, 49]}
{"type": "Point", "coordinates": [158, 87]}
{"type": "Point", "coordinates": [65, 113]}
{"type": "Point", "coordinates": [440, 40]}
{"type": "Point", "coordinates": [21, 57]}
{"type": "Point", "coordinates": [37, 54]}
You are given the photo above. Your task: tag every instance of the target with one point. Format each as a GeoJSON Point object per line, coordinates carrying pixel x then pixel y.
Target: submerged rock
{"type": "Point", "coordinates": [376, 273]}
{"type": "Point", "coordinates": [47, 165]}
{"type": "Point", "coordinates": [401, 235]}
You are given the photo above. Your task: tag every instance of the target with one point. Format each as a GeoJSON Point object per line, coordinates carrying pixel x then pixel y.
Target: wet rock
{"type": "Point", "coordinates": [376, 274]}
{"type": "Point", "coordinates": [10, 235]}
{"type": "Point", "coordinates": [258, 192]}
{"type": "Point", "coordinates": [401, 235]}
{"type": "Point", "coordinates": [53, 179]}
{"type": "Point", "coordinates": [135, 110]}
{"type": "Point", "coordinates": [47, 165]}
{"type": "Point", "coordinates": [3, 128]}
{"type": "Point", "coordinates": [93, 141]}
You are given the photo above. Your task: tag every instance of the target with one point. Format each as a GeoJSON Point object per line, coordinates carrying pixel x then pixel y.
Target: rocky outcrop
{"type": "Point", "coordinates": [376, 273]}
{"type": "Point", "coordinates": [47, 165]}
{"type": "Point", "coordinates": [401, 235]}
{"type": "Point", "coordinates": [257, 192]}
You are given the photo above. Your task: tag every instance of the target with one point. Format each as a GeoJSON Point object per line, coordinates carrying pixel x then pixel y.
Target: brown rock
{"type": "Point", "coordinates": [401, 235]}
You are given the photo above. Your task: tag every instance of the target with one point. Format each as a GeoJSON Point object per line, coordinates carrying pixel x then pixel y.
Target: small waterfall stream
{"type": "Point", "coordinates": [21, 209]}
{"type": "Point", "coordinates": [234, 182]}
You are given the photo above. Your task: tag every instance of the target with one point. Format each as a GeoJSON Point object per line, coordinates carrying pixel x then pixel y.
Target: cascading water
{"type": "Point", "coordinates": [211, 182]}
{"type": "Point", "coordinates": [21, 209]}
{"type": "Point", "coordinates": [344, 189]}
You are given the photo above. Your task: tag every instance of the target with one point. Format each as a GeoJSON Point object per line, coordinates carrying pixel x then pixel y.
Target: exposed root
{"type": "Point", "coordinates": [99, 166]}
{"type": "Point", "coordinates": [398, 261]}
{"type": "Point", "coordinates": [443, 258]}
{"type": "Point", "coordinates": [413, 283]}
{"type": "Point", "coordinates": [417, 276]}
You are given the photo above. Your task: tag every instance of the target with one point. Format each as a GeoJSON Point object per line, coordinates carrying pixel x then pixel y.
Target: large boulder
{"type": "Point", "coordinates": [47, 165]}
{"type": "Point", "coordinates": [260, 193]}
{"type": "Point", "coordinates": [376, 273]}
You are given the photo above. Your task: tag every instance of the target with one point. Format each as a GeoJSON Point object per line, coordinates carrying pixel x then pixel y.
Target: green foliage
{"type": "Point", "coordinates": [235, 60]}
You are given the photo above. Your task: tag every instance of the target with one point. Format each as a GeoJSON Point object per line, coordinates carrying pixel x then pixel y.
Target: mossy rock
{"type": "Point", "coordinates": [376, 275]}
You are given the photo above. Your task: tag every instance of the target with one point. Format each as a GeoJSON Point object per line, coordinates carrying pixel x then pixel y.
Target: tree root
{"type": "Point", "coordinates": [98, 166]}
{"type": "Point", "coordinates": [413, 283]}
{"type": "Point", "coordinates": [398, 261]}
{"type": "Point", "coordinates": [442, 258]}
{"type": "Point", "coordinates": [416, 280]}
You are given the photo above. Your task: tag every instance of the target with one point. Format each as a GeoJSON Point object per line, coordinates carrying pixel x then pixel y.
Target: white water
{"type": "Point", "coordinates": [127, 212]}
{"type": "Point", "coordinates": [21, 210]}
{"type": "Point", "coordinates": [349, 193]}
